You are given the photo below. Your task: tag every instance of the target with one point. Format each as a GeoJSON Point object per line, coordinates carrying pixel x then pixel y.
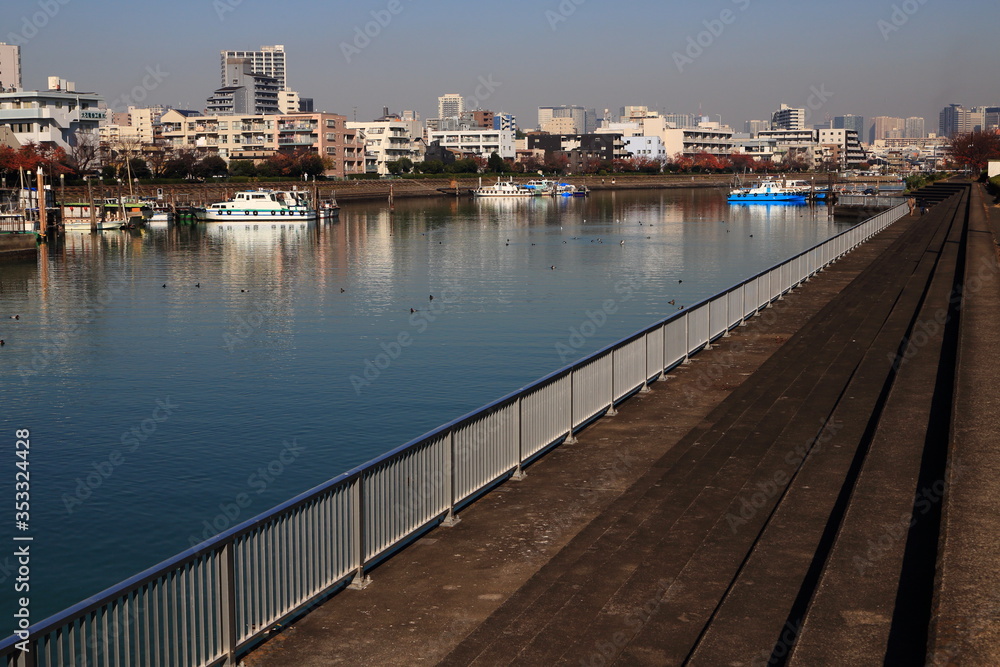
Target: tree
{"type": "Point", "coordinates": [974, 150]}
{"type": "Point", "coordinates": [496, 164]}
{"type": "Point", "coordinates": [466, 166]}
{"type": "Point", "coordinates": [556, 162]}
{"type": "Point", "coordinates": [430, 167]}
{"type": "Point", "coordinates": [393, 167]}
{"type": "Point", "coordinates": [311, 164]}
{"type": "Point", "coordinates": [181, 165]}
{"type": "Point", "coordinates": [212, 165]}
{"type": "Point", "coordinates": [137, 168]}
{"type": "Point", "coordinates": [743, 163]}
{"type": "Point", "coordinates": [242, 168]}
{"type": "Point", "coordinates": [84, 152]}
{"type": "Point", "coordinates": [406, 164]}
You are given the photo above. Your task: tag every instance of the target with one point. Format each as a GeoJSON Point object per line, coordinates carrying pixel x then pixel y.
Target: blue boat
{"type": "Point", "coordinates": [766, 192]}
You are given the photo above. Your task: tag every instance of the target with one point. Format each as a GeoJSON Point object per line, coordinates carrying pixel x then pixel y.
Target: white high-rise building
{"type": "Point", "coordinates": [788, 118]}
{"type": "Point", "coordinates": [451, 105]}
{"type": "Point", "coordinates": [269, 61]}
{"type": "Point", "coordinates": [10, 67]}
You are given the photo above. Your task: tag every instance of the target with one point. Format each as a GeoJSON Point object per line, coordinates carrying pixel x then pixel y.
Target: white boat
{"type": "Point", "coordinates": [503, 189]}
{"type": "Point", "coordinates": [258, 206]}
{"type": "Point", "coordinates": [766, 191]}
{"type": "Point", "coordinates": [541, 187]}
{"type": "Point", "coordinates": [110, 214]}
{"type": "Point", "coordinates": [161, 217]}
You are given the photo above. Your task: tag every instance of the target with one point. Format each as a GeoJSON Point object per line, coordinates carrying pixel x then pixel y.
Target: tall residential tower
{"type": "Point", "coordinates": [269, 61]}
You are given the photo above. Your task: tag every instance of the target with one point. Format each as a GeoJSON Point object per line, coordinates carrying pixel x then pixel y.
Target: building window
{"type": "Point", "coordinates": [331, 123]}
{"type": "Point", "coordinates": [331, 150]}
{"type": "Point", "coordinates": [330, 136]}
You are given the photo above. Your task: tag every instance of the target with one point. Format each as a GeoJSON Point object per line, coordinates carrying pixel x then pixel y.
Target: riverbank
{"type": "Point", "coordinates": [378, 190]}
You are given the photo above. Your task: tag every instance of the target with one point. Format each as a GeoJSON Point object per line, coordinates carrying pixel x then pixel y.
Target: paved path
{"type": "Point", "coordinates": [781, 500]}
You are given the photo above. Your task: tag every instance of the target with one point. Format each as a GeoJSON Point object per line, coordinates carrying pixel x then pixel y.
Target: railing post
{"type": "Point", "coordinates": [570, 439]}
{"type": "Point", "coordinates": [663, 358]}
{"type": "Point", "coordinates": [645, 364]}
{"type": "Point", "coordinates": [452, 519]}
{"type": "Point", "coordinates": [687, 338]}
{"type": "Point", "coordinates": [729, 317]}
{"type": "Point", "coordinates": [361, 580]}
{"type": "Point", "coordinates": [611, 405]}
{"type": "Point", "coordinates": [519, 473]}
{"type": "Point", "coordinates": [227, 602]}
{"type": "Point", "coordinates": [743, 305]}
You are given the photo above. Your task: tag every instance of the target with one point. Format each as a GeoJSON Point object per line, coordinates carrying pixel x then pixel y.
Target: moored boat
{"type": "Point", "coordinates": [504, 189]}
{"type": "Point", "coordinates": [766, 191]}
{"type": "Point", "coordinates": [259, 205]}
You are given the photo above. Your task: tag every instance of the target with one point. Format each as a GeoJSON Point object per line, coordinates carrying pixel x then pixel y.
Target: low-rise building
{"type": "Point", "coordinates": [480, 142]}
{"type": "Point", "coordinates": [388, 141]}
{"type": "Point", "coordinates": [243, 137]}
{"type": "Point", "coordinates": [646, 147]}
{"type": "Point", "coordinates": [52, 116]}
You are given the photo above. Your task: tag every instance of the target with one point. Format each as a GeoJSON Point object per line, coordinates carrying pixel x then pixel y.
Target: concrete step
{"type": "Point", "coordinates": [560, 598]}
{"type": "Point", "coordinates": [762, 610]}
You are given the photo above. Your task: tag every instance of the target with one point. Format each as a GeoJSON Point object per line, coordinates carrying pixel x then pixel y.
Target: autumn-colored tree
{"type": "Point", "coordinates": [743, 163]}
{"type": "Point", "coordinates": [31, 156]}
{"type": "Point", "coordinates": [706, 162]}
{"type": "Point", "coordinates": [681, 163]}
{"type": "Point", "coordinates": [556, 162]}
{"type": "Point", "coordinates": [974, 150]}
{"type": "Point", "coordinates": [648, 165]}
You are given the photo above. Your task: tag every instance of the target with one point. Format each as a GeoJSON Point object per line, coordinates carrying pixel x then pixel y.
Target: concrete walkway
{"type": "Point", "coordinates": [779, 500]}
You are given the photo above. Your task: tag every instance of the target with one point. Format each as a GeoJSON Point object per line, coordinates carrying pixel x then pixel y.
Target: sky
{"type": "Point", "coordinates": [736, 58]}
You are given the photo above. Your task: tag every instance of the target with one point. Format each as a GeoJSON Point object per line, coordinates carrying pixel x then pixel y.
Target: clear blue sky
{"type": "Point", "coordinates": [871, 57]}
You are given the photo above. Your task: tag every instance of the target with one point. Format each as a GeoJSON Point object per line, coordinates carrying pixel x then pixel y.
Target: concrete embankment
{"type": "Point", "coordinates": [799, 494]}
{"type": "Point", "coordinates": [378, 190]}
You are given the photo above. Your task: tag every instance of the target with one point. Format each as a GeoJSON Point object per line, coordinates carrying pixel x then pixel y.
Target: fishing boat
{"type": "Point", "coordinates": [259, 205]}
{"type": "Point", "coordinates": [503, 189]}
{"type": "Point", "coordinates": [766, 191]}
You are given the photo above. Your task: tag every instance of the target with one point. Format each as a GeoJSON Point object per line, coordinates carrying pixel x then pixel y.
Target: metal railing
{"type": "Point", "coordinates": [210, 603]}
{"type": "Point", "coordinates": [871, 201]}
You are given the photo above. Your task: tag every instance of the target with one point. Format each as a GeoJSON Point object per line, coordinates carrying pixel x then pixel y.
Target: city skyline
{"type": "Point", "coordinates": [901, 59]}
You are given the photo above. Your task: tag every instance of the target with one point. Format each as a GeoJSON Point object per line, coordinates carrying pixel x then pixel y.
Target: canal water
{"type": "Point", "coordinates": [177, 381]}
